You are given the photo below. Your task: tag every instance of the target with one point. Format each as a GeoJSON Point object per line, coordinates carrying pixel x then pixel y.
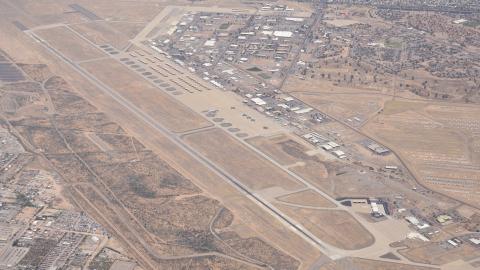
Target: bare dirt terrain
{"type": "Point", "coordinates": [307, 198]}
{"type": "Point", "coordinates": [115, 34]}
{"type": "Point", "coordinates": [371, 265]}
{"type": "Point", "coordinates": [282, 148]}
{"type": "Point", "coordinates": [333, 226]}
{"type": "Point", "coordinates": [433, 254]}
{"type": "Point", "coordinates": [236, 158]}
{"type": "Point", "coordinates": [155, 103]}
{"type": "Point", "coordinates": [69, 44]}
{"type": "Point", "coordinates": [434, 139]}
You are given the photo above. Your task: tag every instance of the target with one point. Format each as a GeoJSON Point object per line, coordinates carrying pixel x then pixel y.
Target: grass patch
{"type": "Point", "coordinates": [394, 107]}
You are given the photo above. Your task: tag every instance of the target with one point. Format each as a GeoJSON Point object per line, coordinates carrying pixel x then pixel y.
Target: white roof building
{"type": "Point", "coordinates": [217, 84]}
{"type": "Point", "coordinates": [451, 242]}
{"type": "Point", "coordinates": [258, 101]}
{"type": "Point", "coordinates": [374, 207]}
{"type": "Point", "coordinates": [459, 21]}
{"type": "Point", "coordinates": [333, 144]}
{"type": "Point", "coordinates": [423, 226]}
{"type": "Point", "coordinates": [326, 147]}
{"type": "Point", "coordinates": [416, 235]}
{"type": "Point", "coordinates": [286, 34]}
{"type": "Point", "coordinates": [339, 154]}
{"type": "Point", "coordinates": [475, 241]}
{"type": "Point", "coordinates": [308, 136]}
{"type": "Point", "coordinates": [412, 220]}
{"type": "Point", "coordinates": [304, 110]}
{"type": "Point", "coordinates": [210, 43]}
{"type": "Point", "coordinates": [294, 19]}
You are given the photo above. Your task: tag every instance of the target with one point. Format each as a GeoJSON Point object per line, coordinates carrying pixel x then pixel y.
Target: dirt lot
{"type": "Point", "coordinates": [315, 173]}
{"type": "Point", "coordinates": [126, 11]}
{"type": "Point", "coordinates": [102, 33]}
{"type": "Point", "coordinates": [282, 148]}
{"type": "Point", "coordinates": [363, 264]}
{"type": "Point", "coordinates": [344, 106]}
{"type": "Point", "coordinates": [151, 100]}
{"type": "Point", "coordinates": [435, 254]}
{"type": "Point", "coordinates": [252, 170]}
{"type": "Point", "coordinates": [307, 198]}
{"type": "Point", "coordinates": [69, 44]}
{"type": "Point", "coordinates": [333, 177]}
{"type": "Point", "coordinates": [405, 127]}
{"type": "Point", "coordinates": [288, 150]}
{"type": "Point", "coordinates": [335, 227]}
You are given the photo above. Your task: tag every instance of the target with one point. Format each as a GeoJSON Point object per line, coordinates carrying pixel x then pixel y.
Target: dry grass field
{"type": "Point", "coordinates": [335, 227]}
{"type": "Point", "coordinates": [315, 86]}
{"type": "Point", "coordinates": [306, 198]}
{"type": "Point", "coordinates": [174, 115]}
{"type": "Point", "coordinates": [339, 180]}
{"type": "Point", "coordinates": [317, 174]}
{"type": "Point", "coordinates": [364, 264]}
{"type": "Point", "coordinates": [283, 148]}
{"type": "Point", "coordinates": [292, 152]}
{"type": "Point", "coordinates": [103, 33]}
{"type": "Point", "coordinates": [251, 169]}
{"type": "Point", "coordinates": [432, 138]}
{"type": "Point", "coordinates": [437, 141]}
{"type": "Point", "coordinates": [321, 170]}
{"type": "Point", "coordinates": [127, 11]}
{"type": "Point", "coordinates": [437, 255]}
{"type": "Point", "coordinates": [344, 106]}
{"type": "Point", "coordinates": [69, 43]}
